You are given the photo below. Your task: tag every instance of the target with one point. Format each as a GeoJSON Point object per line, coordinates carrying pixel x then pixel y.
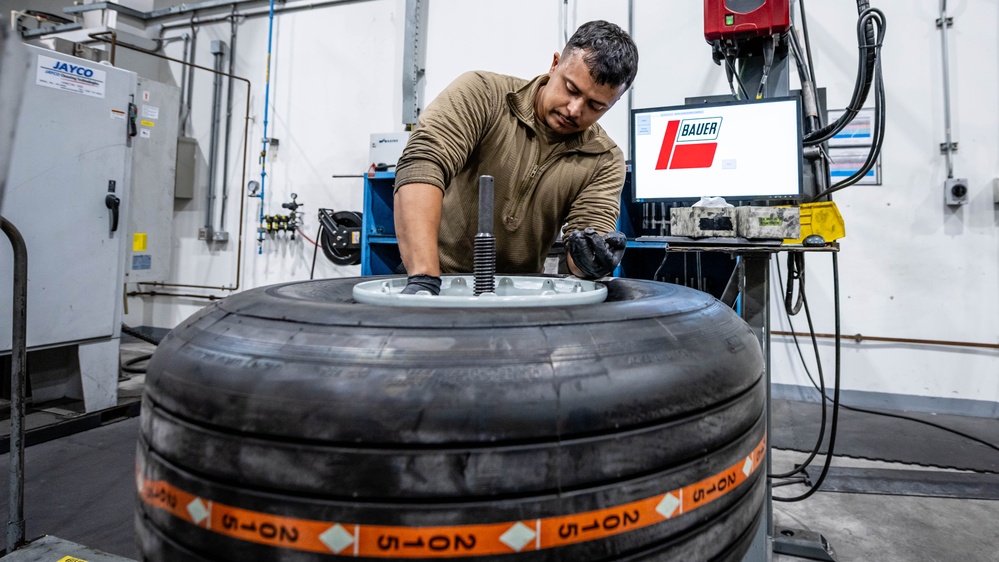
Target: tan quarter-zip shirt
{"type": "Point", "coordinates": [484, 124]}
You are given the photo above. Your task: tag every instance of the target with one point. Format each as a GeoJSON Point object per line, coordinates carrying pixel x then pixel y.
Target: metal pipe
{"type": "Point", "coordinates": [218, 52]}
{"type": "Point", "coordinates": [263, 12]}
{"type": "Point", "coordinates": [948, 143]}
{"type": "Point", "coordinates": [565, 22]}
{"type": "Point", "coordinates": [861, 338]}
{"type": "Point", "coordinates": [114, 40]}
{"type": "Point", "coordinates": [183, 89]}
{"type": "Point", "coordinates": [246, 132]}
{"type": "Point", "coordinates": [179, 295]}
{"type": "Point", "coordinates": [189, 95]}
{"type": "Point", "coordinates": [18, 375]}
{"type": "Point", "coordinates": [631, 32]}
{"type": "Point", "coordinates": [228, 122]}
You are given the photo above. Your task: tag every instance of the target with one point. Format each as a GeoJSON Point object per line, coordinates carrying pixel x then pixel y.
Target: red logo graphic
{"type": "Point", "coordinates": [676, 156]}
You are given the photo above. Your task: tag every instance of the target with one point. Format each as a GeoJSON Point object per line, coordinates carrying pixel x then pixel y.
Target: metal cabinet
{"type": "Point", "coordinates": [68, 194]}
{"type": "Point", "coordinates": [379, 246]}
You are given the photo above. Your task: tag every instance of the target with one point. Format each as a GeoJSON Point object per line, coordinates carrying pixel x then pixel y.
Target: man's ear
{"type": "Point", "coordinates": [555, 58]}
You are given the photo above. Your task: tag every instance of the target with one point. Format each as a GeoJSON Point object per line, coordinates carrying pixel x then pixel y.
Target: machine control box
{"type": "Point", "coordinates": [768, 223]}
{"type": "Point", "coordinates": [703, 222]}
{"type": "Point", "coordinates": [741, 19]}
{"type": "Point", "coordinates": [386, 148]}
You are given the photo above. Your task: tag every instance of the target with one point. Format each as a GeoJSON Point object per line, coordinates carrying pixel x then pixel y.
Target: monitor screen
{"type": "Point", "coordinates": [744, 151]}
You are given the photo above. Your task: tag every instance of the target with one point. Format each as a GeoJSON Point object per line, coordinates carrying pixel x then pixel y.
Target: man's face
{"type": "Point", "coordinates": [572, 100]}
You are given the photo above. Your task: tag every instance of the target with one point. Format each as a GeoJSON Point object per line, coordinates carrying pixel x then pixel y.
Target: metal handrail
{"type": "Point", "coordinates": [18, 375]}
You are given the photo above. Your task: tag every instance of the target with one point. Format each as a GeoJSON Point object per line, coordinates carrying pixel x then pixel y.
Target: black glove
{"type": "Point", "coordinates": [417, 283]}
{"type": "Point", "coordinates": [595, 255]}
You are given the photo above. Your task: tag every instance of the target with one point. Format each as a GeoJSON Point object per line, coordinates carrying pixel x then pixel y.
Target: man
{"type": "Point", "coordinates": [553, 165]}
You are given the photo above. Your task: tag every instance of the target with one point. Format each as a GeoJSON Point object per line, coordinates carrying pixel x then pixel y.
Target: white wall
{"type": "Point", "coordinates": [335, 78]}
{"type": "Point", "coordinates": [910, 266]}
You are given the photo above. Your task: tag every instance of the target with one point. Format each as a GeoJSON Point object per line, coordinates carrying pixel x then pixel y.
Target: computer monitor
{"type": "Point", "coordinates": [742, 151]}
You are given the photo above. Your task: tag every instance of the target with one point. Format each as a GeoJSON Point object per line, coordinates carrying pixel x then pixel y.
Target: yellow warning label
{"type": "Point", "coordinates": [71, 559]}
{"type": "Point", "coordinates": [139, 242]}
{"type": "Point", "coordinates": [455, 541]}
{"type": "Point", "coordinates": [147, 123]}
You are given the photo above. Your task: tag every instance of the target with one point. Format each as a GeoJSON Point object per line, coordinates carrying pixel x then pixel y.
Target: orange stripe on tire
{"type": "Point", "coordinates": [376, 541]}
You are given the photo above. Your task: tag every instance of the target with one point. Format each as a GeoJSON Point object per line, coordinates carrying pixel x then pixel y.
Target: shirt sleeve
{"type": "Point", "coordinates": [598, 204]}
{"type": "Point", "coordinates": [449, 129]}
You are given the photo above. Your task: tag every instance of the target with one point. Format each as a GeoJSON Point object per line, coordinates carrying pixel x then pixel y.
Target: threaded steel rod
{"type": "Point", "coordinates": [485, 242]}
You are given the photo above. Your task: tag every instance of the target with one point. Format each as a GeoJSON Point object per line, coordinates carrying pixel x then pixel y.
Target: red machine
{"type": "Point", "coordinates": [743, 19]}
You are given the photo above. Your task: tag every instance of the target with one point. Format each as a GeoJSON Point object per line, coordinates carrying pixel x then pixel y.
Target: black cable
{"type": "Point", "coordinates": [820, 386]}
{"type": "Point", "coordinates": [655, 276]}
{"type": "Point", "coordinates": [769, 47]}
{"type": "Point", "coordinates": [731, 68]}
{"type": "Point", "coordinates": [808, 43]}
{"type": "Point", "coordinates": [879, 118]}
{"type": "Point", "coordinates": [129, 366]}
{"type": "Point", "coordinates": [865, 73]}
{"type": "Point", "coordinates": [878, 127]}
{"type": "Point", "coordinates": [795, 271]}
{"type": "Point", "coordinates": [801, 480]}
{"type": "Point", "coordinates": [139, 335]}
{"type": "Point", "coordinates": [822, 382]}
{"type": "Point", "coordinates": [797, 344]}
{"type": "Point", "coordinates": [924, 422]}
{"type": "Point", "coordinates": [315, 250]}
{"type": "Point", "coordinates": [814, 122]}
{"type": "Point", "coordinates": [836, 388]}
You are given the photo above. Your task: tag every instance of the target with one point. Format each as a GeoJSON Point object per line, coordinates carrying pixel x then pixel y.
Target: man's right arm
{"type": "Point", "coordinates": [449, 130]}
{"type": "Point", "coordinates": [417, 222]}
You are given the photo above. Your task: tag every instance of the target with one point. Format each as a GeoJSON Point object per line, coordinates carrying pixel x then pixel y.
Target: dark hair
{"type": "Point", "coordinates": [608, 52]}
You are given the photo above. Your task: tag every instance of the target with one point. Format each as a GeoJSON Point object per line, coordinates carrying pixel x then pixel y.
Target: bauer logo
{"type": "Point", "coordinates": [699, 130]}
{"type": "Point", "coordinates": [686, 144]}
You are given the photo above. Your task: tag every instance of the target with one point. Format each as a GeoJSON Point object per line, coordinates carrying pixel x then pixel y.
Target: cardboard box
{"type": "Point", "coordinates": [768, 223]}
{"type": "Point", "coordinates": [703, 222]}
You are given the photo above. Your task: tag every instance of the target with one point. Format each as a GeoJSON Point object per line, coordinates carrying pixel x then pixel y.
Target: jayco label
{"type": "Point", "coordinates": [70, 77]}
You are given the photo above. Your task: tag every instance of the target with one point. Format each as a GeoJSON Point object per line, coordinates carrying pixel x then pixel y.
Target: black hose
{"type": "Point", "coordinates": [808, 42]}
{"type": "Point", "coordinates": [836, 388]}
{"type": "Point", "coordinates": [879, 117]}
{"type": "Point", "coordinates": [129, 366]}
{"type": "Point", "coordinates": [795, 271]}
{"type": "Point", "coordinates": [865, 76]}
{"type": "Point", "coordinates": [139, 335]}
{"type": "Point", "coordinates": [821, 386]}
{"type": "Point", "coordinates": [738, 79]}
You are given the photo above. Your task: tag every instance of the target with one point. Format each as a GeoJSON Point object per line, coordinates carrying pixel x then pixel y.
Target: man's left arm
{"type": "Point", "coordinates": [594, 247]}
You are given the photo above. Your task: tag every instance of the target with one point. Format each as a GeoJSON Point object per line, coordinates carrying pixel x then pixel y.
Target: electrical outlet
{"type": "Point", "coordinates": [956, 191]}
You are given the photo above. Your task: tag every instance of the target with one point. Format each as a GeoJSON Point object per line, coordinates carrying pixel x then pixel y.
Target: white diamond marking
{"type": "Point", "coordinates": [518, 536]}
{"type": "Point", "coordinates": [197, 510]}
{"type": "Point", "coordinates": [668, 506]}
{"type": "Point", "coordinates": [747, 467]}
{"type": "Point", "coordinates": [336, 538]}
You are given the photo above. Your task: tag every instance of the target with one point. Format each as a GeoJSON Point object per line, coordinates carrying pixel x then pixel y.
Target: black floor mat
{"type": "Point", "coordinates": [795, 426]}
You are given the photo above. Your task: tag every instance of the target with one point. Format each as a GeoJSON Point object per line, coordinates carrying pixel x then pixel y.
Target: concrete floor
{"type": "Point", "coordinates": [876, 527]}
